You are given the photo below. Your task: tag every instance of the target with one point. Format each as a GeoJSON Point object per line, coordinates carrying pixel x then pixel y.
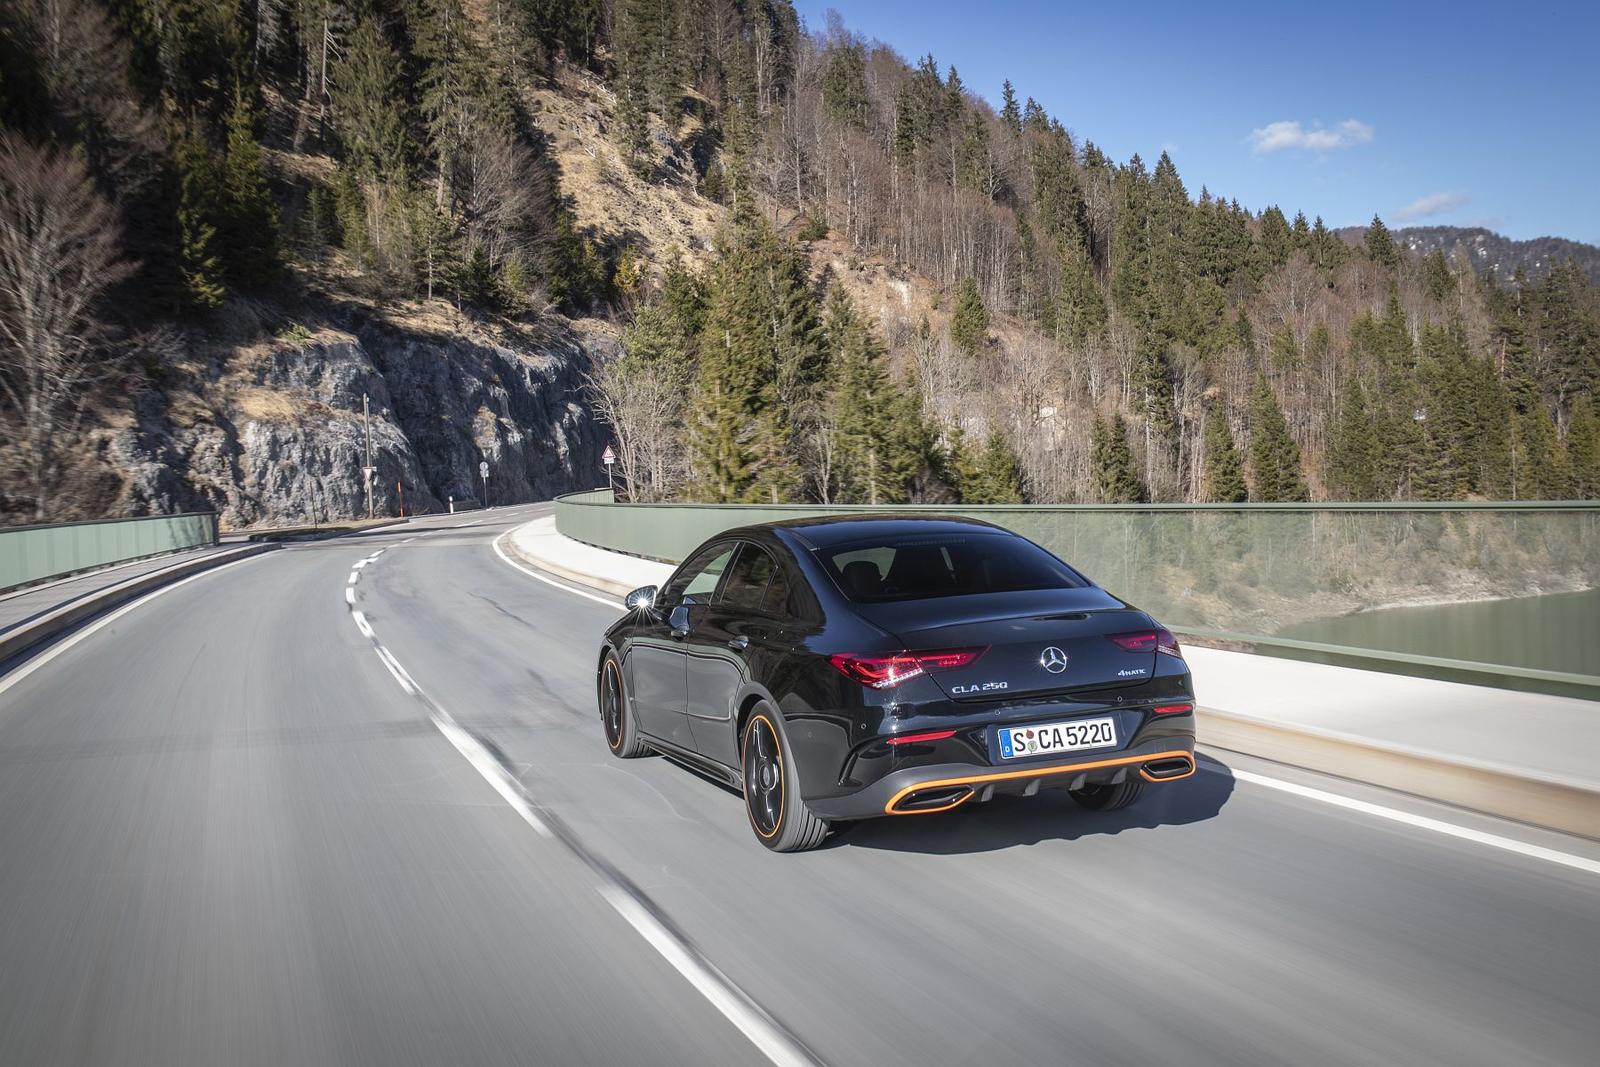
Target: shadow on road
{"type": "Point", "coordinates": [1006, 822]}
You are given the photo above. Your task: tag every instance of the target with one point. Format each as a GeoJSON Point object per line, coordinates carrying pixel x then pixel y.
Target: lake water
{"type": "Point", "coordinates": [1560, 632]}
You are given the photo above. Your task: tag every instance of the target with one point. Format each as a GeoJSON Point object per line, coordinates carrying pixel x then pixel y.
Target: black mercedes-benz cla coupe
{"type": "Point", "coordinates": [845, 668]}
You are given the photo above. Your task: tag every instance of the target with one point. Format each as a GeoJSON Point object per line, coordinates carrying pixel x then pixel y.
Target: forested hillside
{"type": "Point", "coordinates": [835, 274]}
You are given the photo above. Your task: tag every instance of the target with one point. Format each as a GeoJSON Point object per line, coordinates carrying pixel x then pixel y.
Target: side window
{"type": "Point", "coordinates": [779, 600]}
{"type": "Point", "coordinates": [699, 579]}
{"type": "Point", "coordinates": [747, 582]}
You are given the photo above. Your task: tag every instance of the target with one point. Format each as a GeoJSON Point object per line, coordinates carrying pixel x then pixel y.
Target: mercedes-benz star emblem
{"type": "Point", "coordinates": [1053, 660]}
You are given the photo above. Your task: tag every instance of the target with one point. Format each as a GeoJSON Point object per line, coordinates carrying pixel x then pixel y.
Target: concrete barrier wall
{"type": "Point", "coordinates": [1251, 574]}
{"type": "Point", "coordinates": [35, 553]}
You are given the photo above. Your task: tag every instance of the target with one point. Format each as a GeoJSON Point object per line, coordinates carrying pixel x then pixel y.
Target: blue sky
{"type": "Point", "coordinates": [1427, 113]}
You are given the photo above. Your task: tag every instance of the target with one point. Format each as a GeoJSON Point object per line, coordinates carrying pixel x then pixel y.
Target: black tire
{"type": "Point", "coordinates": [778, 816]}
{"type": "Point", "coordinates": [1110, 797]}
{"type": "Point", "coordinates": [622, 734]}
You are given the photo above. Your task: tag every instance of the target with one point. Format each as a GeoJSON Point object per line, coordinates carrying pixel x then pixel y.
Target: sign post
{"type": "Point", "coordinates": [483, 472]}
{"type": "Point", "coordinates": [609, 458]}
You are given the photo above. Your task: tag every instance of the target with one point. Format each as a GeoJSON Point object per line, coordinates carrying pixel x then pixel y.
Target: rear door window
{"type": "Point", "coordinates": [919, 567]}
{"type": "Point", "coordinates": [747, 582]}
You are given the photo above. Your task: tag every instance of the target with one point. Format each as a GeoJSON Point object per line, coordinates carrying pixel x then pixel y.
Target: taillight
{"type": "Point", "coordinates": [910, 739]}
{"type": "Point", "coordinates": [1157, 640]}
{"type": "Point", "coordinates": [886, 672]}
{"type": "Point", "coordinates": [1172, 709]}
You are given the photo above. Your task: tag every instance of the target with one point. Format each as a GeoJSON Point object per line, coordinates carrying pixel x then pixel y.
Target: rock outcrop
{"type": "Point", "coordinates": [272, 433]}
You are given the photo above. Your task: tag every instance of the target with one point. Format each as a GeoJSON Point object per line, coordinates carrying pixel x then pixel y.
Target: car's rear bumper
{"type": "Point", "coordinates": [923, 790]}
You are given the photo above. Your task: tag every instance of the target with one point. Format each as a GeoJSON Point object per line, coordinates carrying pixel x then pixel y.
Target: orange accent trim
{"type": "Point", "coordinates": [622, 703]}
{"type": "Point", "coordinates": [1038, 772]}
{"type": "Point", "coordinates": [1170, 777]}
{"type": "Point", "coordinates": [783, 786]}
{"type": "Point", "coordinates": [934, 811]}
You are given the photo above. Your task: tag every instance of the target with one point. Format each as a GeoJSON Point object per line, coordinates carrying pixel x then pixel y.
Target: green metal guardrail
{"type": "Point", "coordinates": [1295, 580]}
{"type": "Point", "coordinates": [35, 553]}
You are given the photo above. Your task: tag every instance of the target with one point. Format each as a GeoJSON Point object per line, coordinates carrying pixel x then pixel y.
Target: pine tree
{"type": "Point", "coordinates": [437, 261]}
{"type": "Point", "coordinates": [1009, 113]}
{"type": "Point", "coordinates": [1583, 449]}
{"type": "Point", "coordinates": [1436, 276]}
{"type": "Point", "coordinates": [1352, 465]}
{"type": "Point", "coordinates": [844, 85]}
{"type": "Point", "coordinates": [969, 321]}
{"type": "Point", "coordinates": [199, 199]}
{"type": "Point", "coordinates": [1132, 281]}
{"type": "Point", "coordinates": [998, 477]}
{"type": "Point", "coordinates": [1276, 241]}
{"type": "Point", "coordinates": [248, 221]}
{"type": "Point", "coordinates": [1224, 471]}
{"type": "Point", "coordinates": [367, 104]}
{"type": "Point", "coordinates": [873, 428]}
{"type": "Point", "coordinates": [1381, 248]}
{"type": "Point", "coordinates": [733, 373]}
{"type": "Point", "coordinates": [1080, 310]}
{"type": "Point", "coordinates": [1544, 471]}
{"type": "Point", "coordinates": [1327, 250]}
{"type": "Point", "coordinates": [1274, 456]}
{"type": "Point", "coordinates": [1116, 479]}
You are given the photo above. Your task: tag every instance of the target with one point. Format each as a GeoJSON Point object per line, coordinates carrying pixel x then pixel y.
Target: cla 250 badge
{"type": "Point", "coordinates": [980, 687]}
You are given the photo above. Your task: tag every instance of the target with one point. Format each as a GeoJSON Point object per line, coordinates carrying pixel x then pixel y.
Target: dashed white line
{"type": "Point", "coordinates": [1521, 848]}
{"type": "Point", "coordinates": [726, 997]}
{"type": "Point", "coordinates": [349, 595]}
{"type": "Point", "coordinates": [354, 577]}
{"type": "Point", "coordinates": [734, 1004]}
{"type": "Point", "coordinates": [491, 771]}
{"type": "Point", "coordinates": [608, 602]}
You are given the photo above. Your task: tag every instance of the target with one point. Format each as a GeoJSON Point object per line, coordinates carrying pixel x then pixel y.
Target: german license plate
{"type": "Point", "coordinates": [1075, 736]}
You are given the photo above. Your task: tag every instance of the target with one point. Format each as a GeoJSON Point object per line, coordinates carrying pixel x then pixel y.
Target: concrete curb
{"type": "Point", "coordinates": [592, 581]}
{"type": "Point", "coordinates": [47, 626]}
{"type": "Point", "coordinates": [1511, 793]}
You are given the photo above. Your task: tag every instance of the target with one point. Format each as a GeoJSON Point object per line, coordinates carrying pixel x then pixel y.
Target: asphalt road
{"type": "Point", "coordinates": [231, 834]}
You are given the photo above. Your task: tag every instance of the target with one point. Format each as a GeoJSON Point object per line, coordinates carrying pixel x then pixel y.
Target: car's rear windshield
{"type": "Point", "coordinates": [917, 567]}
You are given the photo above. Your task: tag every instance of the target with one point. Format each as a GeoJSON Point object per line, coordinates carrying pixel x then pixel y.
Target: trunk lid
{"type": "Point", "coordinates": [1042, 642]}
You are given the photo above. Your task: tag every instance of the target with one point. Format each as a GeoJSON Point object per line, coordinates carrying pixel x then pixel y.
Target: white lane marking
{"type": "Point", "coordinates": [359, 565]}
{"type": "Point", "coordinates": [408, 540]}
{"type": "Point", "coordinates": [378, 553]}
{"type": "Point", "coordinates": [354, 577]}
{"type": "Point", "coordinates": [11, 679]}
{"type": "Point", "coordinates": [491, 771]}
{"type": "Point", "coordinates": [349, 595]}
{"type": "Point", "coordinates": [608, 602]}
{"type": "Point", "coordinates": [395, 669]}
{"type": "Point", "coordinates": [1521, 848]}
{"type": "Point", "coordinates": [726, 997]}
{"type": "Point", "coordinates": [734, 1003]}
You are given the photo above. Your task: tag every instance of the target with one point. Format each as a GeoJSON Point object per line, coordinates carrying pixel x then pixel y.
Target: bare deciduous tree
{"type": "Point", "coordinates": [58, 253]}
{"type": "Point", "coordinates": [640, 394]}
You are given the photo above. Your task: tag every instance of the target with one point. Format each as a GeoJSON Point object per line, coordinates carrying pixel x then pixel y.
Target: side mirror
{"type": "Point", "coordinates": [641, 598]}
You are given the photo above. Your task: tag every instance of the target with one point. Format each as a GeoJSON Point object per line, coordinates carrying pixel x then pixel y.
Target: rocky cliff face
{"type": "Point", "coordinates": [272, 434]}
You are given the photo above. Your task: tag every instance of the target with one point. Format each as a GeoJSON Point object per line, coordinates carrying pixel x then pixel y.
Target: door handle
{"type": "Point", "coordinates": [739, 644]}
{"type": "Point", "coordinates": [679, 633]}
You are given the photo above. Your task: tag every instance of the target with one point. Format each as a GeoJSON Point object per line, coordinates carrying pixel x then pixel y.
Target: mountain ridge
{"type": "Point", "coordinates": [1494, 254]}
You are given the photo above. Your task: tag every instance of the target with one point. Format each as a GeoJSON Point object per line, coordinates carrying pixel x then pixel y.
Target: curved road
{"type": "Point", "coordinates": [232, 831]}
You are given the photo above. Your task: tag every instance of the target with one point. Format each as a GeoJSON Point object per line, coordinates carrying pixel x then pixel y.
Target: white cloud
{"type": "Point", "coordinates": [1432, 204]}
{"type": "Point", "coordinates": [1277, 136]}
